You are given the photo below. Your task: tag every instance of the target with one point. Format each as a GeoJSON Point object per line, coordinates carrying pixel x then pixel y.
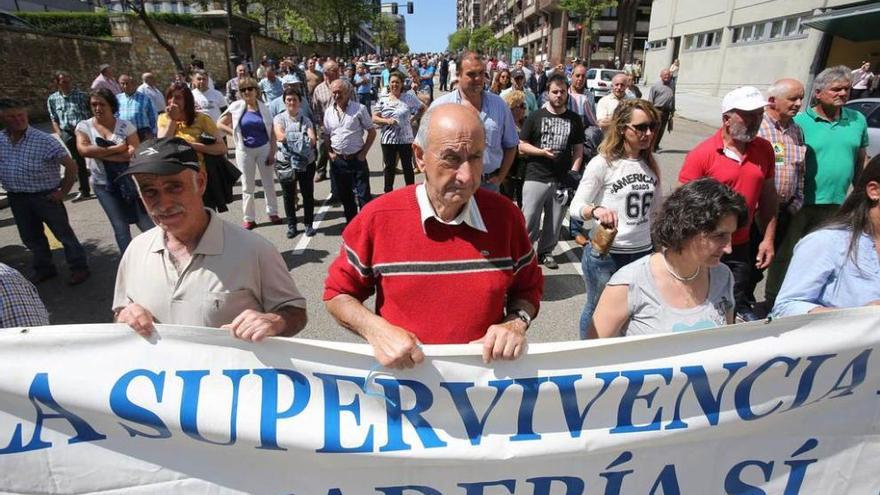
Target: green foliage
{"type": "Point", "coordinates": [385, 33]}
{"type": "Point", "coordinates": [79, 23]}
{"type": "Point", "coordinates": [481, 39]}
{"type": "Point", "coordinates": [459, 40]}
{"type": "Point", "coordinates": [185, 20]}
{"type": "Point", "coordinates": [587, 10]}
{"type": "Point", "coordinates": [300, 30]}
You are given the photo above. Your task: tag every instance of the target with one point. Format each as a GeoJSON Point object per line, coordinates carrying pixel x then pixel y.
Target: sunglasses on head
{"type": "Point", "coordinates": [644, 127]}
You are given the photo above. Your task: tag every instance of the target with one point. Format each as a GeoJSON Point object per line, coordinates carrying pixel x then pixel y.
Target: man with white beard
{"type": "Point", "coordinates": [737, 157]}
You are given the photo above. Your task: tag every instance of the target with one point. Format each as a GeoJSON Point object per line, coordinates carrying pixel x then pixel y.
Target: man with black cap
{"type": "Point", "coordinates": [196, 268]}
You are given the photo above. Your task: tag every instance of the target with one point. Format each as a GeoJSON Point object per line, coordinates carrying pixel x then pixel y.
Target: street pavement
{"type": "Point", "coordinates": [308, 258]}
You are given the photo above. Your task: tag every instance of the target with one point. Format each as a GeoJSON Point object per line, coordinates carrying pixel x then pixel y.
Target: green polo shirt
{"type": "Point", "coordinates": [832, 149]}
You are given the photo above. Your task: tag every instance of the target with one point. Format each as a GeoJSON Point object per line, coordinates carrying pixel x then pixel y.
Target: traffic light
{"type": "Point", "coordinates": [394, 8]}
{"type": "Point", "coordinates": [409, 7]}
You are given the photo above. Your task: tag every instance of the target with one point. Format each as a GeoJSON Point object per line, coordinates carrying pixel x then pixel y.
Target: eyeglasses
{"type": "Point", "coordinates": [249, 88]}
{"type": "Point", "coordinates": [643, 128]}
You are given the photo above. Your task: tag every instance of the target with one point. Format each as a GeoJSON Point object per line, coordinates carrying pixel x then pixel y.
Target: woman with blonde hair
{"type": "Point", "coordinates": [249, 122]}
{"type": "Point", "coordinates": [513, 184]}
{"type": "Point", "coordinates": [620, 189]}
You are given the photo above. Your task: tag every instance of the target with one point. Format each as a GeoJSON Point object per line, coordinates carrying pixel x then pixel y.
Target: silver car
{"type": "Point", "coordinates": [870, 108]}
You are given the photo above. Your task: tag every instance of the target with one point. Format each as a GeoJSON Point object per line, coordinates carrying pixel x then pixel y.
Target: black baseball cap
{"type": "Point", "coordinates": [164, 156]}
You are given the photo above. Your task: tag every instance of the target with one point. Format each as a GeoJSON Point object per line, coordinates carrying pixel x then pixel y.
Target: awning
{"type": "Point", "coordinates": [858, 23]}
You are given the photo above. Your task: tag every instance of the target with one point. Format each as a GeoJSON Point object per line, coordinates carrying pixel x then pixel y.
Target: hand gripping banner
{"type": "Point", "coordinates": [788, 407]}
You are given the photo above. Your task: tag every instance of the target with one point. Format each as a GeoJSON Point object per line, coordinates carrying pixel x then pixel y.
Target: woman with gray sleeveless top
{"type": "Point", "coordinates": [684, 286]}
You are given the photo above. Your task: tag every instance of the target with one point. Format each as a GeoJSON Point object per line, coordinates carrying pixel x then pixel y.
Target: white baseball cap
{"type": "Point", "coordinates": [746, 98]}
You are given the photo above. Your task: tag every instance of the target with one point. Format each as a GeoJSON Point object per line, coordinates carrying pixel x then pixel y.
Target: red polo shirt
{"type": "Point", "coordinates": [746, 177]}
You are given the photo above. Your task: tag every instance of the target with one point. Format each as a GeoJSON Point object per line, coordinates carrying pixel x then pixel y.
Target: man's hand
{"type": "Point", "coordinates": [395, 347]}
{"type": "Point", "coordinates": [138, 318]}
{"type": "Point", "coordinates": [503, 341]}
{"type": "Point", "coordinates": [548, 153]}
{"type": "Point", "coordinates": [362, 155]}
{"type": "Point", "coordinates": [766, 252]}
{"type": "Point", "coordinates": [255, 326]}
{"type": "Point", "coordinates": [332, 155]}
{"type": "Point", "coordinates": [56, 196]}
{"type": "Point", "coordinates": [270, 160]}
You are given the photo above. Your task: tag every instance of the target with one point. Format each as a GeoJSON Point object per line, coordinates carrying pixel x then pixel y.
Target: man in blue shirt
{"type": "Point", "coordinates": [67, 107]}
{"type": "Point", "coordinates": [502, 139]}
{"type": "Point", "coordinates": [270, 86]}
{"type": "Point", "coordinates": [29, 171]}
{"type": "Point", "coordinates": [136, 108]}
{"type": "Point", "coordinates": [426, 75]}
{"type": "Point", "coordinates": [364, 86]}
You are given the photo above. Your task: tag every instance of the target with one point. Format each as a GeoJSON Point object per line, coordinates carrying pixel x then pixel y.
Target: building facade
{"type": "Point", "coordinates": [725, 44]}
{"type": "Point", "coordinates": [546, 32]}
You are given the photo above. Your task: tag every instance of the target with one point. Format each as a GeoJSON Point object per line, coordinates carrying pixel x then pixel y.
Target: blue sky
{"type": "Point", "coordinates": [429, 26]}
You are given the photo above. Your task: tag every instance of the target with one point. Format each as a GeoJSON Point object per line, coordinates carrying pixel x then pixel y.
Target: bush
{"type": "Point", "coordinates": [94, 24]}
{"type": "Point", "coordinates": [185, 20]}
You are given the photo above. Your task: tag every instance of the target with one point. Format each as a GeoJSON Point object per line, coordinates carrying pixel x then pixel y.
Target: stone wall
{"type": "Point", "coordinates": [270, 46]}
{"type": "Point", "coordinates": [148, 55]}
{"type": "Point", "coordinates": [30, 60]}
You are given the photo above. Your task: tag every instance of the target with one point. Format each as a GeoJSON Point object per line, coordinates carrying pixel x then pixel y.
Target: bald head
{"type": "Point", "coordinates": [665, 76]}
{"type": "Point", "coordinates": [340, 91]}
{"type": "Point", "coordinates": [784, 99]}
{"type": "Point", "coordinates": [619, 83]}
{"type": "Point", "coordinates": [449, 150]}
{"type": "Point", "coordinates": [331, 71]}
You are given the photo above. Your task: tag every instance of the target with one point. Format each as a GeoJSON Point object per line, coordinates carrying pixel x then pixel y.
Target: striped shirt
{"type": "Point", "coordinates": [790, 153]}
{"type": "Point", "coordinates": [32, 164]}
{"type": "Point", "coordinates": [401, 110]}
{"type": "Point", "coordinates": [20, 304]}
{"type": "Point", "coordinates": [68, 110]}
{"type": "Point", "coordinates": [137, 109]}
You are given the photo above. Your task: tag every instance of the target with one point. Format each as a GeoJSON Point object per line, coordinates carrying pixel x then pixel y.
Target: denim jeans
{"type": "Point", "coordinates": [121, 214]}
{"type": "Point", "coordinates": [31, 211]}
{"type": "Point", "coordinates": [352, 176]}
{"type": "Point", "coordinates": [598, 270]}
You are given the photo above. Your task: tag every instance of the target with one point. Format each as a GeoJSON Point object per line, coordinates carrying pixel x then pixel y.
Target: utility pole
{"type": "Point", "coordinates": [233, 46]}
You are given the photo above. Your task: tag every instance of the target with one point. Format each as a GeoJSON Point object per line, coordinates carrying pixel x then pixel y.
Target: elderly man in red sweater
{"type": "Point", "coordinates": [451, 263]}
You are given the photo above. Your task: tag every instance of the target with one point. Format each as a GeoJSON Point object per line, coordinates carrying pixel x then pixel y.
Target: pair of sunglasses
{"type": "Point", "coordinates": [643, 128]}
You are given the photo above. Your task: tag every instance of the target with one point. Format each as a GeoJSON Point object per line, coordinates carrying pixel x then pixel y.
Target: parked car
{"type": "Point", "coordinates": [870, 108]}
{"type": "Point", "coordinates": [599, 81]}
{"type": "Point", "coordinates": [7, 19]}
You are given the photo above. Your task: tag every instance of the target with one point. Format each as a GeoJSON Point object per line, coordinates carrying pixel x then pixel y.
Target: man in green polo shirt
{"type": "Point", "coordinates": [836, 139]}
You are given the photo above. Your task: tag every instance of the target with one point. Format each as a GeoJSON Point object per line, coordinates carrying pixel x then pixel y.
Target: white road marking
{"type": "Point", "coordinates": [319, 216]}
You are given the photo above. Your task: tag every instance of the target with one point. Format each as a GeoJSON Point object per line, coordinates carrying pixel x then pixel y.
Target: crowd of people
{"type": "Point", "coordinates": [508, 153]}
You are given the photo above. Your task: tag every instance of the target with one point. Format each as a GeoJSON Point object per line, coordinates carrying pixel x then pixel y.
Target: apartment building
{"type": "Point", "coordinates": [724, 44]}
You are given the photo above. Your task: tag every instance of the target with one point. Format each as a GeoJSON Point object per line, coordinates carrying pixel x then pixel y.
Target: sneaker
{"type": "Point", "coordinates": [310, 231]}
{"type": "Point", "coordinates": [81, 196]}
{"type": "Point", "coordinates": [291, 232]}
{"type": "Point", "coordinates": [746, 315]}
{"type": "Point", "coordinates": [249, 225]}
{"type": "Point", "coordinates": [275, 220]}
{"type": "Point", "coordinates": [78, 277]}
{"type": "Point", "coordinates": [548, 261]}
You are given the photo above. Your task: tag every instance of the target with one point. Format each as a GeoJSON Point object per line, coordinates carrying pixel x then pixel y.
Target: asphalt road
{"type": "Point", "coordinates": [308, 258]}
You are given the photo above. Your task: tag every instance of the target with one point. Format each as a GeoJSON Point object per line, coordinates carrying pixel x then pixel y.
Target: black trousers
{"type": "Point", "coordinates": [741, 262]}
{"type": "Point", "coordinates": [82, 172]}
{"type": "Point", "coordinates": [306, 182]}
{"type": "Point", "coordinates": [390, 152]}
{"type": "Point", "coordinates": [665, 115]}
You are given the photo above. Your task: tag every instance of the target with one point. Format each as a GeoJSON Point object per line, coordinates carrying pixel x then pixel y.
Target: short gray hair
{"type": "Point", "coordinates": [779, 88]}
{"type": "Point", "coordinates": [421, 139]}
{"type": "Point", "coordinates": [831, 75]}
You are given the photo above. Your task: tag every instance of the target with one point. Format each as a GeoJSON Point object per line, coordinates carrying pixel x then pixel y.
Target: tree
{"type": "Point", "coordinates": [385, 33]}
{"type": "Point", "coordinates": [459, 40]}
{"type": "Point", "coordinates": [586, 11]}
{"type": "Point", "coordinates": [336, 19]}
{"type": "Point", "coordinates": [481, 39]}
{"type": "Point", "coordinates": [138, 7]}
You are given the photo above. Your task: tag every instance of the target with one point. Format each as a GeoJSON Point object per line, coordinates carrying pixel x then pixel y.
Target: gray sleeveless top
{"type": "Point", "coordinates": [649, 314]}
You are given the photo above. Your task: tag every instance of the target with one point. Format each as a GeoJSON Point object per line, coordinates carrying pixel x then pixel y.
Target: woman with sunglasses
{"type": "Point", "coordinates": [107, 144]}
{"type": "Point", "coordinates": [393, 113]}
{"type": "Point", "coordinates": [249, 122]}
{"type": "Point", "coordinates": [502, 81]}
{"type": "Point", "coordinates": [620, 189]}
{"type": "Point", "coordinates": [180, 119]}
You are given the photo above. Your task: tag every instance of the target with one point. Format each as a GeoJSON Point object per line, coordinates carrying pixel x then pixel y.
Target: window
{"type": "Point", "coordinates": [774, 29]}
{"type": "Point", "coordinates": [656, 45]}
{"type": "Point", "coordinates": [709, 39]}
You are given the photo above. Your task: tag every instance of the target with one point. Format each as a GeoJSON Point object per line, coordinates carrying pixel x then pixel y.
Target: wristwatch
{"type": "Point", "coordinates": [524, 316]}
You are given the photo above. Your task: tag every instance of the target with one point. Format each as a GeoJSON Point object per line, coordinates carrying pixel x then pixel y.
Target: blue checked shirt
{"type": "Point", "coordinates": [67, 111]}
{"type": "Point", "coordinates": [32, 164]}
{"type": "Point", "coordinates": [137, 109]}
{"type": "Point", "coordinates": [20, 304]}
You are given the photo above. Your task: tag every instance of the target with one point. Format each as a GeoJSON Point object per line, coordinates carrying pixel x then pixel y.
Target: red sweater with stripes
{"type": "Point", "coordinates": [445, 283]}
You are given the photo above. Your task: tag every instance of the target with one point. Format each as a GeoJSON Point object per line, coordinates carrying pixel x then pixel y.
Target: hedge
{"type": "Point", "coordinates": [97, 24]}
{"type": "Point", "coordinates": [79, 23]}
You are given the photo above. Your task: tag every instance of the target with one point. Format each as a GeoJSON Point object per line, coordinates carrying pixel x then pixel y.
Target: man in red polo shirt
{"type": "Point", "coordinates": [735, 156]}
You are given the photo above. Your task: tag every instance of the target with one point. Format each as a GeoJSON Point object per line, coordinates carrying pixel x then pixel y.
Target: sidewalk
{"type": "Point", "coordinates": [698, 107]}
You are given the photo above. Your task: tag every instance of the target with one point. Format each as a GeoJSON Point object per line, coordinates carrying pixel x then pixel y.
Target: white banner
{"type": "Point", "coordinates": [789, 407]}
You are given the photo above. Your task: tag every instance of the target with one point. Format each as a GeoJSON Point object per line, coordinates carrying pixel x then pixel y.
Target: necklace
{"type": "Point", "coordinates": [677, 276]}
